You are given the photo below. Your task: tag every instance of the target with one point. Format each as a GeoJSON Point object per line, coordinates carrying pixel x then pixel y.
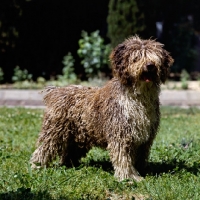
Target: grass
{"type": "Point", "coordinates": [174, 167]}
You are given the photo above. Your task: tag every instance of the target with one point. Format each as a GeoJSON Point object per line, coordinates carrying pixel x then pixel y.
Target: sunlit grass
{"type": "Point", "coordinates": [173, 172]}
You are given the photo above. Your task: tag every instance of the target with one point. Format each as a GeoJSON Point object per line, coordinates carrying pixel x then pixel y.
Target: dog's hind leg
{"type": "Point", "coordinates": [71, 156]}
{"type": "Point", "coordinates": [44, 154]}
{"type": "Point", "coordinates": [52, 142]}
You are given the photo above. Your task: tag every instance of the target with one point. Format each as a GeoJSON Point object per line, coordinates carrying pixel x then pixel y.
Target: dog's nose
{"type": "Point", "coordinates": [150, 66]}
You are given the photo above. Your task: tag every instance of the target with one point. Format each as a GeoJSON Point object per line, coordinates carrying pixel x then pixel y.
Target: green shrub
{"type": "Point", "coordinates": [185, 77]}
{"type": "Point", "coordinates": [1, 75]}
{"type": "Point", "coordinates": [94, 53]}
{"type": "Point", "coordinates": [41, 80]}
{"type": "Point", "coordinates": [21, 75]}
{"type": "Point", "coordinates": [68, 74]}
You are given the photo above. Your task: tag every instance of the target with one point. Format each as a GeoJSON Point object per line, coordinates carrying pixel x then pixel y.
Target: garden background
{"type": "Point", "coordinates": [43, 37]}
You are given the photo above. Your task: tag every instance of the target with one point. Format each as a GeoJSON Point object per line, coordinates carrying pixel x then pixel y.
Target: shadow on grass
{"type": "Point", "coordinates": [27, 194]}
{"type": "Point", "coordinates": [105, 165]}
{"type": "Point", "coordinates": [153, 168]}
{"type": "Point", "coordinates": [170, 167]}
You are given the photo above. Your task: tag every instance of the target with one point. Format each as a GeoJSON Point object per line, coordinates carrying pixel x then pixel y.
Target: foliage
{"type": "Point", "coordinates": [174, 168]}
{"type": "Point", "coordinates": [185, 77]}
{"type": "Point", "coordinates": [68, 75]}
{"type": "Point", "coordinates": [1, 74]}
{"type": "Point", "coordinates": [94, 53]}
{"type": "Point", "coordinates": [124, 19]}
{"type": "Point", "coordinates": [18, 22]}
{"type": "Point", "coordinates": [41, 80]}
{"type": "Point", "coordinates": [21, 75]}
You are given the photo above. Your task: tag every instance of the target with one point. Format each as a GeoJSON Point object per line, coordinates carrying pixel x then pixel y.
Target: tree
{"type": "Point", "coordinates": [124, 20]}
{"type": "Point", "coordinates": [179, 34]}
{"type": "Point", "coordinates": [10, 13]}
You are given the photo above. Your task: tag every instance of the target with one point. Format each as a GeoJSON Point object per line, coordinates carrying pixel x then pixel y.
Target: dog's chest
{"type": "Point", "coordinates": [140, 116]}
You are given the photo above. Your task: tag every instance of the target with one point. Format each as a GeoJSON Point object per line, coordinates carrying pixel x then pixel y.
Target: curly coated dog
{"type": "Point", "coordinates": [122, 117]}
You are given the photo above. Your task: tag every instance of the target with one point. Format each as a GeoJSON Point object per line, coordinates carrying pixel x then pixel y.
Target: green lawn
{"type": "Point", "coordinates": [174, 167]}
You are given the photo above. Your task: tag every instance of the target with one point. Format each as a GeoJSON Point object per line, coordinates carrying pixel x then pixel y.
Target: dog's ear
{"type": "Point", "coordinates": [119, 58]}
{"type": "Point", "coordinates": [165, 68]}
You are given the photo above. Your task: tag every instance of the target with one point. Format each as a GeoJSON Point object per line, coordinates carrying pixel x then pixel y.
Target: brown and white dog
{"type": "Point", "coordinates": [122, 117]}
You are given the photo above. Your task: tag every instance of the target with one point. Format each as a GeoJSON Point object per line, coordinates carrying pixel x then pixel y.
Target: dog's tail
{"type": "Point", "coordinates": [48, 89]}
{"type": "Point", "coordinates": [47, 94]}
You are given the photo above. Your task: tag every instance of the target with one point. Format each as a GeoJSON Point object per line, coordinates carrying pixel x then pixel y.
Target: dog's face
{"type": "Point", "coordinates": [140, 60]}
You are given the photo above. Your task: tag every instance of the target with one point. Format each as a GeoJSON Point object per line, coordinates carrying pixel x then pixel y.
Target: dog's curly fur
{"type": "Point", "coordinates": [122, 117]}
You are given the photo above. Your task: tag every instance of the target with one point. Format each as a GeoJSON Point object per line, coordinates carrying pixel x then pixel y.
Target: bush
{"type": "Point", "coordinates": [68, 74]}
{"type": "Point", "coordinates": [94, 53]}
{"type": "Point", "coordinates": [185, 77]}
{"type": "Point", "coordinates": [21, 75]}
{"type": "Point", "coordinates": [1, 74]}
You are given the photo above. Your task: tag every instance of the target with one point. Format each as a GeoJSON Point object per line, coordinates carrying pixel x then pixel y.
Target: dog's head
{"type": "Point", "coordinates": [140, 60]}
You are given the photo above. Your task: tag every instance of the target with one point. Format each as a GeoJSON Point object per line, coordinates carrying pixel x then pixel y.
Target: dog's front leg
{"type": "Point", "coordinates": [142, 156]}
{"type": "Point", "coordinates": [123, 160]}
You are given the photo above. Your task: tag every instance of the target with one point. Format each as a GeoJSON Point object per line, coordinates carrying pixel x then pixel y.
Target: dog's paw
{"type": "Point", "coordinates": [36, 166]}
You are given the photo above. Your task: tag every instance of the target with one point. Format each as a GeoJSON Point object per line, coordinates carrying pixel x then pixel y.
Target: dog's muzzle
{"type": "Point", "coordinates": [149, 72]}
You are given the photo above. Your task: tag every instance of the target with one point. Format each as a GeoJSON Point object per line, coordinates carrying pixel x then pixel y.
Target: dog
{"type": "Point", "coordinates": [123, 116]}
